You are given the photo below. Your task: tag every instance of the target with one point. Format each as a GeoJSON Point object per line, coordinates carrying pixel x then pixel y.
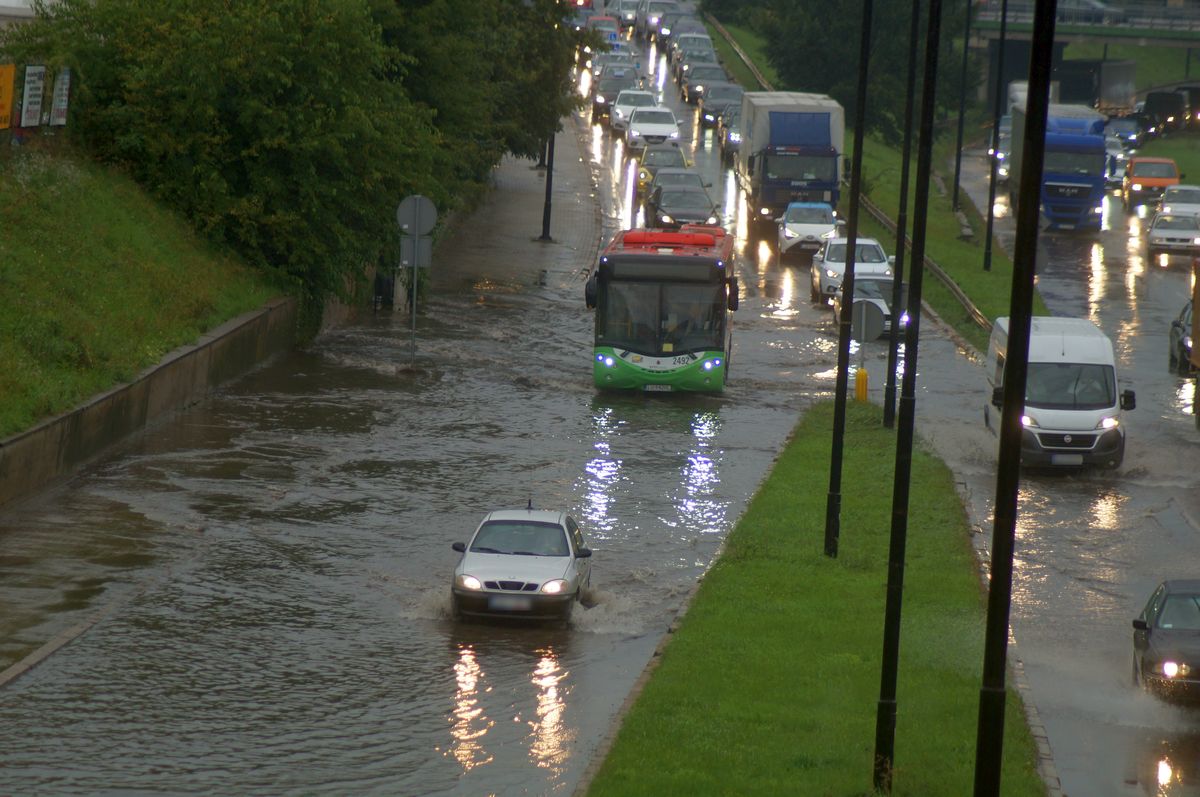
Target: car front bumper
{"type": "Point", "coordinates": [490, 603]}
{"type": "Point", "coordinates": [1043, 448]}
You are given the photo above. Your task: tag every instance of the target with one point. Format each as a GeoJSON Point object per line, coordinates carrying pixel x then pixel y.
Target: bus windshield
{"type": "Point", "coordinates": [662, 318]}
{"type": "Point", "coordinates": [801, 167]}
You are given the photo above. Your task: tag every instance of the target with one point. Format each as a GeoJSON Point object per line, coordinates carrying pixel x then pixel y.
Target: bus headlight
{"type": "Point", "coordinates": [711, 364]}
{"type": "Point", "coordinates": [606, 359]}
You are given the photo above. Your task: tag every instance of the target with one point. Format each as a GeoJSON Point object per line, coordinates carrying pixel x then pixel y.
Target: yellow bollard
{"type": "Point", "coordinates": [860, 384]}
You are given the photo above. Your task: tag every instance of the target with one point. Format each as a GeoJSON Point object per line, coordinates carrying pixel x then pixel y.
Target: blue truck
{"type": "Point", "coordinates": [791, 151]}
{"type": "Point", "coordinates": [1074, 168]}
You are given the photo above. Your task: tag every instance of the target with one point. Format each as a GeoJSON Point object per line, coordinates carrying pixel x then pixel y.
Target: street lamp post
{"type": "Point", "coordinates": [833, 506]}
{"type": "Point", "coordinates": [989, 743]}
{"type": "Point", "coordinates": [885, 718]}
{"type": "Point", "coordinates": [997, 112]}
{"type": "Point", "coordinates": [889, 393]}
{"type": "Point", "coordinates": [549, 190]}
{"type": "Point", "coordinates": [962, 105]}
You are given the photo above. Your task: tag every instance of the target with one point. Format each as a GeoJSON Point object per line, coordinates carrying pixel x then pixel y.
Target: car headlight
{"type": "Point", "coordinates": [832, 274]}
{"type": "Point", "coordinates": [1172, 669]}
{"type": "Point", "coordinates": [666, 219]}
{"type": "Point", "coordinates": [788, 233]}
{"type": "Point", "coordinates": [765, 211]}
{"type": "Point", "coordinates": [712, 220]}
{"type": "Point", "coordinates": [674, 134]}
{"type": "Point", "coordinates": [736, 137]}
{"type": "Point", "coordinates": [1098, 210]}
{"type": "Point", "coordinates": [904, 319]}
{"type": "Point", "coordinates": [708, 117]}
{"type": "Point", "coordinates": [1000, 156]}
{"type": "Point", "coordinates": [1108, 423]}
{"type": "Point", "coordinates": [698, 89]}
{"type": "Point", "coordinates": [1187, 341]}
{"type": "Point", "coordinates": [1136, 187]}
{"type": "Point", "coordinates": [555, 587]}
{"type": "Point", "coordinates": [1028, 421]}
{"type": "Point", "coordinates": [468, 582]}
{"type": "Point", "coordinates": [600, 99]}
{"type": "Point", "coordinates": [643, 175]}
{"type": "Point", "coordinates": [829, 234]}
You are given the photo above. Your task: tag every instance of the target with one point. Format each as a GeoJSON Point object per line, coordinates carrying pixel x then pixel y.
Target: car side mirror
{"type": "Point", "coordinates": [1128, 400]}
{"type": "Point", "coordinates": [891, 260]}
{"type": "Point", "coordinates": [461, 547]}
{"type": "Point", "coordinates": [589, 292]}
{"type": "Point", "coordinates": [583, 553]}
{"type": "Point", "coordinates": [998, 396]}
{"type": "Point", "coordinates": [1182, 175]}
{"type": "Point", "coordinates": [1141, 624]}
{"type": "Point", "coordinates": [779, 220]}
{"type": "Point", "coordinates": [708, 185]}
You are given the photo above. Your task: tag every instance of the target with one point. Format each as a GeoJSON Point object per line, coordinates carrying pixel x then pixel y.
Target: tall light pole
{"type": "Point", "coordinates": [833, 505]}
{"type": "Point", "coordinates": [997, 112]}
{"type": "Point", "coordinates": [889, 393]}
{"type": "Point", "coordinates": [989, 745]}
{"type": "Point", "coordinates": [962, 105]}
{"type": "Point", "coordinates": [885, 717]}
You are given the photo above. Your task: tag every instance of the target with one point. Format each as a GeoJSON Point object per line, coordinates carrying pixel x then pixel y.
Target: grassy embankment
{"type": "Point", "coordinates": [770, 684]}
{"type": "Point", "coordinates": [1183, 148]}
{"type": "Point", "coordinates": [97, 282]}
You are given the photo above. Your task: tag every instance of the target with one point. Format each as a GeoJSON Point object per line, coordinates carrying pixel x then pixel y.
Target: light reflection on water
{"type": "Point", "coordinates": [1185, 397]}
{"type": "Point", "coordinates": [468, 722]}
{"type": "Point", "coordinates": [549, 749]}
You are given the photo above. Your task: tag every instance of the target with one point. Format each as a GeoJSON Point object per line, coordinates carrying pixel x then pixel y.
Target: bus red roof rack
{"type": "Point", "coordinates": [695, 240]}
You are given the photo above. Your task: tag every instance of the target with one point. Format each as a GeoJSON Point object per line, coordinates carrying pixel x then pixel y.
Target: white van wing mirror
{"type": "Point", "coordinates": [1128, 400]}
{"type": "Point", "coordinates": [998, 396]}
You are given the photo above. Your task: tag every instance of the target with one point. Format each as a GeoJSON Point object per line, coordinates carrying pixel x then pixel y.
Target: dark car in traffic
{"type": "Point", "coordinates": [608, 87]}
{"type": "Point", "coordinates": [716, 99]}
{"type": "Point", "coordinates": [1166, 641]}
{"type": "Point", "coordinates": [669, 208]}
{"type": "Point", "coordinates": [696, 81]}
{"type": "Point", "coordinates": [1179, 339]}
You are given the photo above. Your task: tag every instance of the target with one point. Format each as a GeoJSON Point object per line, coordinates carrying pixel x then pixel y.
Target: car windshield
{"type": "Point", "coordinates": [809, 216]}
{"type": "Point", "coordinates": [1181, 613]}
{"type": "Point", "coordinates": [611, 86]}
{"type": "Point", "coordinates": [663, 157]}
{"type": "Point", "coordinates": [1175, 223]}
{"type": "Point", "coordinates": [723, 93]}
{"type": "Point", "coordinates": [706, 73]}
{"type": "Point", "coordinates": [1187, 196]}
{"type": "Point", "coordinates": [654, 117]}
{"type": "Point", "coordinates": [700, 56]}
{"type": "Point", "coordinates": [1070, 386]}
{"type": "Point", "coordinates": [674, 179]}
{"type": "Point", "coordinates": [657, 318]}
{"type": "Point", "coordinates": [873, 289]}
{"type": "Point", "coordinates": [1123, 126]}
{"type": "Point", "coordinates": [1153, 169]}
{"type": "Point", "coordinates": [693, 200]}
{"type": "Point", "coordinates": [864, 253]}
{"type": "Point", "coordinates": [521, 537]}
{"type": "Point", "coordinates": [636, 100]}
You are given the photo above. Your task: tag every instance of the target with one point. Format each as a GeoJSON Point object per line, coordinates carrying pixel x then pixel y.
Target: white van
{"type": "Point", "coordinates": [1072, 408]}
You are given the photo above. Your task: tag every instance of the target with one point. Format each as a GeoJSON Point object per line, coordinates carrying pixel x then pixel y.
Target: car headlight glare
{"type": "Point", "coordinates": [674, 134]}
{"type": "Point", "coordinates": [1135, 187]}
{"type": "Point", "coordinates": [1098, 209]}
{"type": "Point", "coordinates": [1108, 423]}
{"type": "Point", "coordinates": [832, 274]}
{"type": "Point", "coordinates": [469, 582]}
{"type": "Point", "coordinates": [555, 587]}
{"type": "Point", "coordinates": [1173, 669]}
{"type": "Point", "coordinates": [1187, 341]}
{"type": "Point", "coordinates": [1028, 421]}
{"type": "Point", "coordinates": [735, 137]}
{"type": "Point", "coordinates": [788, 233]}
{"type": "Point", "coordinates": [829, 234]}
{"type": "Point", "coordinates": [765, 211]}
{"type": "Point", "coordinates": [667, 219]}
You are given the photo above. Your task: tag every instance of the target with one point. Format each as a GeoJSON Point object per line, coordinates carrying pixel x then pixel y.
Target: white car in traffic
{"type": "Point", "coordinates": [626, 103]}
{"type": "Point", "coordinates": [803, 227]}
{"type": "Point", "coordinates": [525, 563]}
{"type": "Point", "coordinates": [651, 126]}
{"type": "Point", "coordinates": [829, 265]}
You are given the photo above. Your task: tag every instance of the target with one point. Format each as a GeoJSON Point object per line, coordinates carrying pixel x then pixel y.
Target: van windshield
{"type": "Point", "coordinates": [1070, 386]}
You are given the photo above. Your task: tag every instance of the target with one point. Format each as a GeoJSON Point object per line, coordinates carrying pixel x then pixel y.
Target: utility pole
{"type": "Point", "coordinates": [997, 112]}
{"type": "Point", "coordinates": [833, 506]}
{"type": "Point", "coordinates": [962, 105]}
{"type": "Point", "coordinates": [989, 745]}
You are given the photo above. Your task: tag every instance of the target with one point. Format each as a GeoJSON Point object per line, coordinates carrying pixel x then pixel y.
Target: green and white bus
{"type": "Point", "coordinates": [663, 302]}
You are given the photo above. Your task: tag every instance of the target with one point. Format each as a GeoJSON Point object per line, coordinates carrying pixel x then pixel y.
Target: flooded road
{"type": "Point", "coordinates": [257, 592]}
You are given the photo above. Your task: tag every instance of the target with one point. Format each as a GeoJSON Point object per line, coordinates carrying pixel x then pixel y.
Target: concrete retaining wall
{"type": "Point", "coordinates": [58, 447]}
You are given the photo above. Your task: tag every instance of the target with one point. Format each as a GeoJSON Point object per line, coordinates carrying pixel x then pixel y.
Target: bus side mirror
{"type": "Point", "coordinates": [732, 300]}
{"type": "Point", "coordinates": [589, 292]}
{"type": "Point", "coordinates": [1128, 400]}
{"type": "Point", "coordinates": [750, 167]}
{"type": "Point", "coordinates": [998, 396]}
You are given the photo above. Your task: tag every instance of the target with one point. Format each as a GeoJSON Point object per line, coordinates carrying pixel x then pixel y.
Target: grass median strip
{"type": "Point", "coordinates": [769, 686]}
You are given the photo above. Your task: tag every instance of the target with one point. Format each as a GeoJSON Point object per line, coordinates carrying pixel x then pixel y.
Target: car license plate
{"type": "Point", "coordinates": [1066, 459]}
{"type": "Point", "coordinates": [659, 388]}
{"type": "Point", "coordinates": [510, 603]}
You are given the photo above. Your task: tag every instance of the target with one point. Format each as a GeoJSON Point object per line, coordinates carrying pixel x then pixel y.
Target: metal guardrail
{"type": "Point", "coordinates": [974, 312]}
{"type": "Point", "coordinates": [1131, 17]}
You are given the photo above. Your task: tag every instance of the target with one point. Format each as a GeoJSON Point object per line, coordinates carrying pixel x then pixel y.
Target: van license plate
{"type": "Point", "coordinates": [659, 388]}
{"type": "Point", "coordinates": [510, 603]}
{"type": "Point", "coordinates": [1066, 459]}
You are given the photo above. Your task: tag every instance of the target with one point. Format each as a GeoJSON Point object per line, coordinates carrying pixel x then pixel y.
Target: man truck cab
{"type": "Point", "coordinates": [1073, 410]}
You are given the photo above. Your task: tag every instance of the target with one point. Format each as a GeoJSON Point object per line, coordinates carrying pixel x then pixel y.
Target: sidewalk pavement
{"type": "Point", "coordinates": [499, 243]}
